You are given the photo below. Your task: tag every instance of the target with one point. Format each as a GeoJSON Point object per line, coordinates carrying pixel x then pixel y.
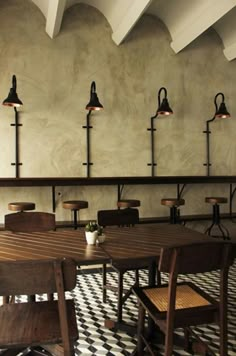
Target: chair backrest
{"type": "Point", "coordinates": [30, 221]}
{"type": "Point", "coordinates": [45, 322]}
{"type": "Point", "coordinates": [119, 217]}
{"type": "Point", "coordinates": [36, 276]}
{"type": "Point", "coordinates": [196, 258]}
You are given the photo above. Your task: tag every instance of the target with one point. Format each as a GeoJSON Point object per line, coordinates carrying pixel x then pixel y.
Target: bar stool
{"type": "Point", "coordinates": [128, 203]}
{"type": "Point", "coordinates": [21, 206]}
{"type": "Point", "coordinates": [75, 206]}
{"type": "Point", "coordinates": [173, 204]}
{"type": "Point", "coordinates": [215, 201]}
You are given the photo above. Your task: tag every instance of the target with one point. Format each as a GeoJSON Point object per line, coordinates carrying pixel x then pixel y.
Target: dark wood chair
{"type": "Point", "coordinates": [182, 305]}
{"type": "Point", "coordinates": [118, 217]}
{"type": "Point", "coordinates": [30, 221]}
{"type": "Point", "coordinates": [30, 324]}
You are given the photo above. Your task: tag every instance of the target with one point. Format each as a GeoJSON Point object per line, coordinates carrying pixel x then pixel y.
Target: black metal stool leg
{"type": "Point", "coordinates": [224, 231]}
{"type": "Point", "coordinates": [75, 219]}
{"type": "Point", "coordinates": [173, 215]}
{"type": "Point", "coordinates": [216, 222]}
{"type": "Point", "coordinates": [208, 230]}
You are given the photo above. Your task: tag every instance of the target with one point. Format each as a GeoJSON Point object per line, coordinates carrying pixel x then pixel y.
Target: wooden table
{"type": "Point", "coordinates": [136, 246]}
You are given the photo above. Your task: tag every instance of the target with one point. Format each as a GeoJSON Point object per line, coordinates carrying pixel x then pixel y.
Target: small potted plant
{"type": "Point", "coordinates": [91, 232]}
{"type": "Point", "coordinates": [94, 233]}
{"type": "Point", "coordinates": [101, 236]}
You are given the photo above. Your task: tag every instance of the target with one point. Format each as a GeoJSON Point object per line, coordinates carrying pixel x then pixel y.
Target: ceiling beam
{"type": "Point", "coordinates": [56, 10]}
{"type": "Point", "coordinates": [128, 21]}
{"type": "Point", "coordinates": [230, 51]}
{"type": "Point", "coordinates": [198, 21]}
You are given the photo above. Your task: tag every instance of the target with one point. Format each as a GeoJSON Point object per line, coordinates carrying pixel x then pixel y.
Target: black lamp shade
{"type": "Point", "coordinates": [222, 112]}
{"type": "Point", "coordinates": [164, 108]}
{"type": "Point", "coordinates": [94, 103]}
{"type": "Point", "coordinates": [12, 99]}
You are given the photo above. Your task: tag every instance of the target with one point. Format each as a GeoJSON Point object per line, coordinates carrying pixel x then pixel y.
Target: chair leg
{"type": "Point", "coordinates": [141, 321]}
{"type": "Point", "coordinates": [120, 295]}
{"type": "Point", "coordinates": [223, 329]}
{"type": "Point", "coordinates": [104, 283]}
{"type": "Point", "coordinates": [187, 343]}
{"type": "Point", "coordinates": [6, 299]}
{"type": "Point", "coordinates": [169, 340]}
{"type": "Point", "coordinates": [136, 278]}
{"type": "Point", "coordinates": [158, 278]}
{"type": "Point", "coordinates": [31, 298]}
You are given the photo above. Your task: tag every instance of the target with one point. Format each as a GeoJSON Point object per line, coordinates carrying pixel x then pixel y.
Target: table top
{"type": "Point", "coordinates": [46, 245]}
{"type": "Point", "coordinates": [123, 244]}
{"type": "Point", "coordinates": [145, 241]}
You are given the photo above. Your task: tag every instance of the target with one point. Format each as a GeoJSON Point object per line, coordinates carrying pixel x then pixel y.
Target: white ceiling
{"type": "Point", "coordinates": [184, 19]}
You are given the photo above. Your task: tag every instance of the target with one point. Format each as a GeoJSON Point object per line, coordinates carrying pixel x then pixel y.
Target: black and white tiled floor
{"type": "Point", "coordinates": [95, 339]}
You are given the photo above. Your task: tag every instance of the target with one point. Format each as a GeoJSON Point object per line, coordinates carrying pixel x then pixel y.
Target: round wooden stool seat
{"type": "Point", "coordinates": [75, 204]}
{"type": "Point", "coordinates": [172, 202]}
{"type": "Point", "coordinates": [128, 203]}
{"type": "Point", "coordinates": [216, 200]}
{"type": "Point", "coordinates": [21, 206]}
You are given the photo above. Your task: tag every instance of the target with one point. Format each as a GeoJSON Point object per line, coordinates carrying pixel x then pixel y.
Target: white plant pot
{"type": "Point", "coordinates": [91, 237]}
{"type": "Point", "coordinates": [101, 238]}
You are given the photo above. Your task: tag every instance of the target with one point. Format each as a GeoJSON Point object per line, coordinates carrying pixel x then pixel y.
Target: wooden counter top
{"type": "Point", "coordinates": [84, 181]}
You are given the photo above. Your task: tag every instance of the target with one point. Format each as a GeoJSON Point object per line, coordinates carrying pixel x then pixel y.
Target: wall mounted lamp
{"type": "Point", "coordinates": [93, 104]}
{"type": "Point", "coordinates": [15, 102]}
{"type": "Point", "coordinates": [163, 109]}
{"type": "Point", "coordinates": [220, 112]}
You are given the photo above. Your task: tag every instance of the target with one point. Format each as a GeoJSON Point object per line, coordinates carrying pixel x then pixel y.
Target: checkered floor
{"type": "Point", "coordinates": [95, 339]}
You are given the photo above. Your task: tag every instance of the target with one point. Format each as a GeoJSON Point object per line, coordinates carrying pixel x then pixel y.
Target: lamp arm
{"type": "Point", "coordinates": [154, 117]}
{"type": "Point", "coordinates": [14, 82]}
{"type": "Point", "coordinates": [93, 88]}
{"type": "Point", "coordinates": [152, 143]}
{"type": "Point", "coordinates": [215, 100]}
{"type": "Point", "coordinates": [210, 120]}
{"type": "Point", "coordinates": [88, 142]}
{"type": "Point", "coordinates": [159, 95]}
{"type": "Point", "coordinates": [207, 132]}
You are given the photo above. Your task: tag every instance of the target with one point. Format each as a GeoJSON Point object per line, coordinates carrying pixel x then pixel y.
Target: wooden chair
{"type": "Point", "coordinates": [118, 217]}
{"type": "Point", "coordinates": [184, 304]}
{"type": "Point", "coordinates": [30, 222]}
{"type": "Point", "coordinates": [30, 324]}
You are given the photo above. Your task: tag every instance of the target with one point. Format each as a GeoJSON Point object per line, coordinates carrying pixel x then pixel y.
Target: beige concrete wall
{"type": "Point", "coordinates": [54, 78]}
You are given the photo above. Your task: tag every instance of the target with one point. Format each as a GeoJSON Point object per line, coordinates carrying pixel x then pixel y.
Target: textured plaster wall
{"type": "Point", "coordinates": [53, 81]}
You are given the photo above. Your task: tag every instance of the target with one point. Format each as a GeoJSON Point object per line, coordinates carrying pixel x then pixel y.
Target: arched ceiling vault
{"type": "Point", "coordinates": [185, 20]}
